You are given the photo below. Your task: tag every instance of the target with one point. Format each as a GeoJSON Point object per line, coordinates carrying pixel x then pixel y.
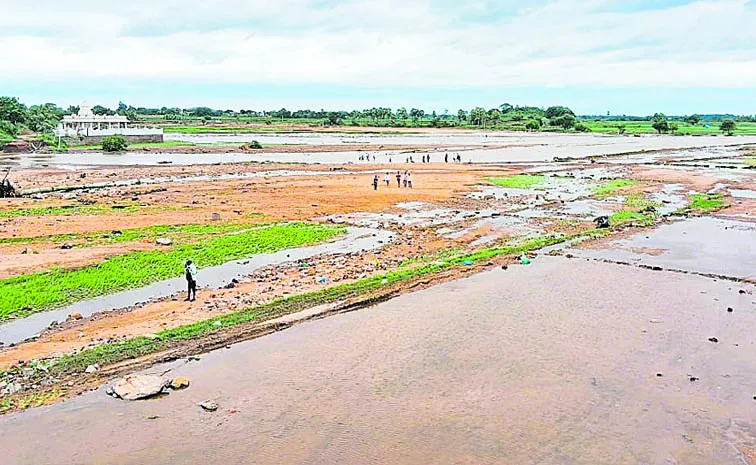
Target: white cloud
{"type": "Point", "coordinates": [381, 42]}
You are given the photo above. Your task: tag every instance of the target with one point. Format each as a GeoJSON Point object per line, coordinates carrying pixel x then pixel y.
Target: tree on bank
{"type": "Point", "coordinates": [659, 123]}
{"type": "Point", "coordinates": [728, 127]}
{"type": "Point", "coordinates": [533, 125]}
{"type": "Point", "coordinates": [114, 143]}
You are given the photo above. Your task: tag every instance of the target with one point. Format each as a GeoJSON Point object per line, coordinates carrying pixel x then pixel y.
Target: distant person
{"type": "Point", "coordinates": [446, 158]}
{"type": "Point", "coordinates": [375, 182]}
{"type": "Point", "coordinates": [409, 179]}
{"type": "Point", "coordinates": [398, 179]}
{"type": "Point", "coordinates": [387, 179]}
{"type": "Point", "coordinates": [191, 281]}
{"type": "Point", "coordinates": [404, 178]}
{"type": "Point", "coordinates": [373, 157]}
{"type": "Point", "coordinates": [389, 160]}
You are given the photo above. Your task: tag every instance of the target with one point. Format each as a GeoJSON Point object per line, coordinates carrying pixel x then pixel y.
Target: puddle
{"type": "Point", "coordinates": [412, 217]}
{"type": "Point", "coordinates": [701, 245]}
{"type": "Point", "coordinates": [670, 197]}
{"type": "Point", "coordinates": [502, 226]}
{"type": "Point", "coordinates": [743, 193]}
{"type": "Point", "coordinates": [357, 239]}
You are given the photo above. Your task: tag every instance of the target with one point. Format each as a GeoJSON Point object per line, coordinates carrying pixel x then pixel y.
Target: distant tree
{"type": "Point", "coordinates": [565, 121]}
{"type": "Point", "coordinates": [114, 143]}
{"type": "Point", "coordinates": [556, 112]}
{"type": "Point", "coordinates": [72, 109]}
{"type": "Point", "coordinates": [621, 129]}
{"type": "Point", "coordinates": [533, 125]}
{"type": "Point", "coordinates": [693, 119]}
{"type": "Point", "coordinates": [416, 114]}
{"type": "Point", "coordinates": [659, 123]}
{"type": "Point", "coordinates": [506, 108]}
{"type": "Point", "coordinates": [461, 115]}
{"type": "Point", "coordinates": [402, 113]}
{"type": "Point", "coordinates": [8, 128]}
{"type": "Point", "coordinates": [122, 108]}
{"type": "Point", "coordinates": [12, 110]}
{"type": "Point", "coordinates": [727, 126]}
{"type": "Point", "coordinates": [100, 110]}
{"type": "Point", "coordinates": [493, 115]}
{"type": "Point", "coordinates": [478, 116]}
{"type": "Point", "coordinates": [673, 127]}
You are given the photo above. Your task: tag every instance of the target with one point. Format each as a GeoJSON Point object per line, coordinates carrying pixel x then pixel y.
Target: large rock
{"type": "Point", "coordinates": [136, 387]}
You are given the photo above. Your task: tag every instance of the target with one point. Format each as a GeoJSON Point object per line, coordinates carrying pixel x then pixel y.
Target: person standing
{"type": "Point", "coordinates": [191, 280]}
{"type": "Point", "coordinates": [446, 158]}
{"type": "Point", "coordinates": [387, 179]}
{"type": "Point", "coordinates": [398, 179]}
{"type": "Point", "coordinates": [375, 182]}
{"type": "Point", "coordinates": [404, 179]}
{"type": "Point", "coordinates": [409, 179]}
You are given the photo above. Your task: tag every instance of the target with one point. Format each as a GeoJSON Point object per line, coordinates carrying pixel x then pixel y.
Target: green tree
{"type": "Point", "coordinates": [402, 113]}
{"type": "Point", "coordinates": [461, 115]}
{"type": "Point", "coordinates": [12, 110]}
{"type": "Point", "coordinates": [673, 127]}
{"type": "Point", "coordinates": [100, 110]}
{"type": "Point", "coordinates": [659, 123]}
{"type": "Point", "coordinates": [557, 111]}
{"type": "Point", "coordinates": [728, 127]}
{"type": "Point", "coordinates": [114, 143]}
{"type": "Point", "coordinates": [565, 121]}
{"type": "Point", "coordinates": [43, 118]}
{"type": "Point", "coordinates": [478, 116]}
{"type": "Point", "coordinates": [533, 125]}
{"type": "Point", "coordinates": [693, 119]}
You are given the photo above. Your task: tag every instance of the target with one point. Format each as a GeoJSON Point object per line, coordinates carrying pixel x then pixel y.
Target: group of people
{"type": "Point", "coordinates": [402, 179]}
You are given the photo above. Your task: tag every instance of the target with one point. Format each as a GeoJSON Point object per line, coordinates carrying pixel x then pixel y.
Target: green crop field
{"type": "Point", "coordinates": [644, 127]}
{"type": "Point", "coordinates": [28, 294]}
{"type": "Point", "coordinates": [519, 181]}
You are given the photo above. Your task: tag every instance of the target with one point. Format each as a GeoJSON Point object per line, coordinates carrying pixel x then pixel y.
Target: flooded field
{"type": "Point", "coordinates": [518, 366]}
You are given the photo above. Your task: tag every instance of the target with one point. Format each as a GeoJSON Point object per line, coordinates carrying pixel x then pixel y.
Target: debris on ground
{"type": "Point", "coordinates": [163, 241]}
{"type": "Point", "coordinates": [75, 316]}
{"type": "Point", "coordinates": [524, 259]}
{"type": "Point", "coordinates": [602, 222]}
{"type": "Point", "coordinates": [209, 405]}
{"type": "Point", "coordinates": [713, 339]}
{"type": "Point", "coordinates": [92, 368]}
{"type": "Point", "coordinates": [135, 387]}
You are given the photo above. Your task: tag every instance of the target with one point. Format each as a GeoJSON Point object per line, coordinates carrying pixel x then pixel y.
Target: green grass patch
{"type": "Point", "coordinates": [750, 161]}
{"type": "Point", "coordinates": [27, 294]}
{"type": "Point", "coordinates": [70, 210]}
{"type": "Point", "coordinates": [519, 181]}
{"type": "Point", "coordinates": [706, 202]}
{"type": "Point", "coordinates": [627, 217]}
{"type": "Point", "coordinates": [610, 187]}
{"type": "Point", "coordinates": [639, 202]}
{"type": "Point", "coordinates": [177, 233]}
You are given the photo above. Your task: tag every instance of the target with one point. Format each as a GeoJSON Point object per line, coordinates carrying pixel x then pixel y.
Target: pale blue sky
{"type": "Point", "coordinates": [634, 57]}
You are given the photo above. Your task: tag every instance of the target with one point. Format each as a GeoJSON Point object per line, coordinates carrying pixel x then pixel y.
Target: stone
{"type": "Point", "coordinates": [179, 382]}
{"type": "Point", "coordinates": [163, 241]}
{"type": "Point", "coordinates": [730, 310]}
{"type": "Point", "coordinates": [135, 387]}
{"type": "Point", "coordinates": [215, 217]}
{"type": "Point", "coordinates": [13, 388]}
{"type": "Point", "coordinates": [713, 339]}
{"type": "Point", "coordinates": [75, 316]}
{"type": "Point", "coordinates": [92, 368]}
{"type": "Point", "coordinates": [655, 320]}
{"type": "Point", "coordinates": [209, 405]}
{"type": "Point", "coordinates": [66, 247]}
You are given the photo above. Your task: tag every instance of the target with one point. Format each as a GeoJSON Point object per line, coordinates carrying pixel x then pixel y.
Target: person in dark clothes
{"type": "Point", "coordinates": [375, 182]}
{"type": "Point", "coordinates": [398, 179]}
{"type": "Point", "coordinates": [191, 280]}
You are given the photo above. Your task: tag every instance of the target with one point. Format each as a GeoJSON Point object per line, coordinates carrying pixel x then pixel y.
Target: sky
{"type": "Point", "coordinates": [595, 56]}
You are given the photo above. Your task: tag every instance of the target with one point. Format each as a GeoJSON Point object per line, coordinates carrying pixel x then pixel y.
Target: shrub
{"type": "Point", "coordinates": [533, 125]}
{"type": "Point", "coordinates": [255, 145]}
{"type": "Point", "coordinates": [580, 127]}
{"type": "Point", "coordinates": [114, 143]}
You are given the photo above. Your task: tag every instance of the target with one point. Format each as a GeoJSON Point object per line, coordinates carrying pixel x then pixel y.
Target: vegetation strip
{"type": "Point", "coordinates": [74, 210]}
{"type": "Point", "coordinates": [519, 181]}
{"type": "Point", "coordinates": [24, 295]}
{"type": "Point", "coordinates": [610, 187]}
{"type": "Point", "coordinates": [173, 232]}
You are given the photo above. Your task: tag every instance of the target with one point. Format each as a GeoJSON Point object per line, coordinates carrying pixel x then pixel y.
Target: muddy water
{"type": "Point", "coordinates": [356, 240]}
{"type": "Point", "coordinates": [553, 363]}
{"type": "Point", "coordinates": [520, 147]}
{"type": "Point", "coordinates": [700, 245]}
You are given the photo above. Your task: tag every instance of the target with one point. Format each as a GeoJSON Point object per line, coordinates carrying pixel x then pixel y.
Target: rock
{"type": "Point", "coordinates": [163, 241]}
{"type": "Point", "coordinates": [75, 316]}
{"type": "Point", "coordinates": [713, 339]}
{"type": "Point", "coordinates": [659, 375]}
{"type": "Point", "coordinates": [655, 320]}
{"type": "Point", "coordinates": [13, 388]}
{"type": "Point", "coordinates": [601, 222]}
{"type": "Point", "coordinates": [741, 291]}
{"type": "Point", "coordinates": [693, 378]}
{"type": "Point", "coordinates": [504, 267]}
{"type": "Point", "coordinates": [3, 384]}
{"type": "Point", "coordinates": [215, 217]}
{"type": "Point", "coordinates": [116, 232]}
{"type": "Point", "coordinates": [134, 387]}
{"type": "Point", "coordinates": [92, 368]}
{"type": "Point", "coordinates": [66, 247]}
{"type": "Point", "coordinates": [729, 309]}
{"type": "Point", "coordinates": [179, 382]}
{"type": "Point", "coordinates": [209, 405]}
{"type": "Point", "coordinates": [217, 323]}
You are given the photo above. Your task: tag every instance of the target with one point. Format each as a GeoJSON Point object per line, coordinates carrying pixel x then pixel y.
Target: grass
{"type": "Point", "coordinates": [518, 181]}
{"type": "Point", "coordinates": [142, 145]}
{"type": "Point", "coordinates": [27, 294]}
{"type": "Point", "coordinates": [33, 400]}
{"type": "Point", "coordinates": [750, 161]}
{"type": "Point", "coordinates": [627, 217]}
{"type": "Point", "coordinates": [644, 127]}
{"type": "Point", "coordinates": [118, 351]}
{"type": "Point", "coordinates": [706, 202]}
{"type": "Point", "coordinates": [69, 210]}
{"type": "Point", "coordinates": [182, 232]}
{"type": "Point", "coordinates": [638, 202]}
{"type": "Point", "coordinates": [610, 187]}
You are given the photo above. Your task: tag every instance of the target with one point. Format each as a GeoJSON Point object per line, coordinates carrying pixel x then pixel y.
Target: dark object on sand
{"type": "Point", "coordinates": [602, 222]}
{"type": "Point", "coordinates": [6, 188]}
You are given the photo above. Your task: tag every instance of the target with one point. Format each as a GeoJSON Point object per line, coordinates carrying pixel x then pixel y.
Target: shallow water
{"type": "Point", "coordinates": [551, 363]}
{"type": "Point", "coordinates": [357, 239]}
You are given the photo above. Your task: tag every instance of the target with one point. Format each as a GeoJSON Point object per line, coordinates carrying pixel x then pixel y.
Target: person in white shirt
{"type": "Point", "coordinates": [191, 281]}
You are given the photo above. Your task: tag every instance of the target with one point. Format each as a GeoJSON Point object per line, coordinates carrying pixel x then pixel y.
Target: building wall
{"type": "Point", "coordinates": [96, 140]}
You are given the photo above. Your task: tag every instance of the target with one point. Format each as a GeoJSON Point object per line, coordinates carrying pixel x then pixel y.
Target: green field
{"type": "Point", "coordinates": [28, 294]}
{"type": "Point", "coordinates": [518, 181]}
{"type": "Point", "coordinates": [644, 127]}
{"type": "Point", "coordinates": [70, 210]}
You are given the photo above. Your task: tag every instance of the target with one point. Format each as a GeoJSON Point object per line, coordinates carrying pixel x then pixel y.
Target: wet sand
{"type": "Point", "coordinates": [552, 363]}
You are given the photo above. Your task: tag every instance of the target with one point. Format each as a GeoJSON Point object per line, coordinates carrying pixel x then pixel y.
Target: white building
{"type": "Point", "coordinates": [87, 124]}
